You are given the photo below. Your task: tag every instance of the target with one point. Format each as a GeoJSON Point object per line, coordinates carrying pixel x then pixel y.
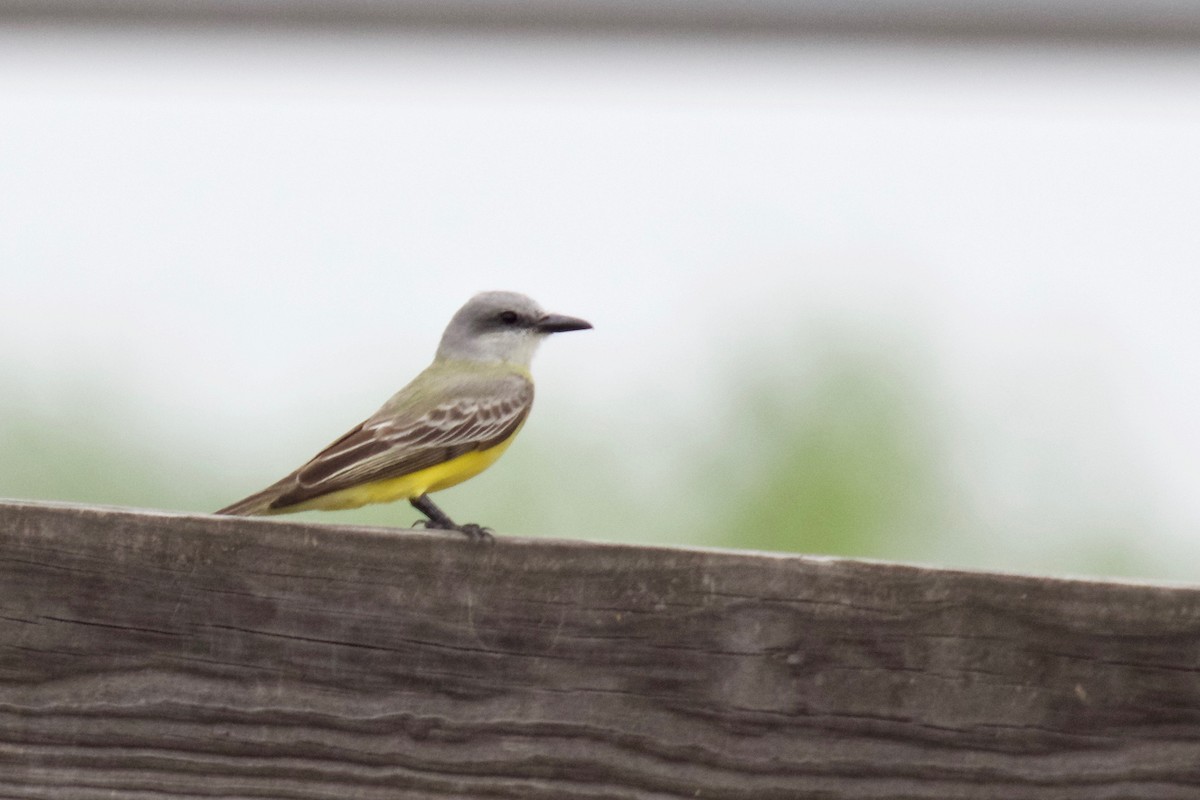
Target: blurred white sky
{"type": "Point", "coordinates": [250, 236]}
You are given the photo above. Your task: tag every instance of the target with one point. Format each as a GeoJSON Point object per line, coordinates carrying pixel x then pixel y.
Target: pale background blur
{"type": "Point", "coordinates": [923, 297]}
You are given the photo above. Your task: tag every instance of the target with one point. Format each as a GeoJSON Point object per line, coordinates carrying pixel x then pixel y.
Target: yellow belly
{"type": "Point", "coordinates": [406, 487]}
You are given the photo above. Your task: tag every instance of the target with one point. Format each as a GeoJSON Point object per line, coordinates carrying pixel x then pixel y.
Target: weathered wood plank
{"type": "Point", "coordinates": [151, 655]}
{"type": "Point", "coordinates": [1157, 22]}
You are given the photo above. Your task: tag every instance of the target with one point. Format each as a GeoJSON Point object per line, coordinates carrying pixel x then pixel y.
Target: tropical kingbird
{"type": "Point", "coordinates": [451, 423]}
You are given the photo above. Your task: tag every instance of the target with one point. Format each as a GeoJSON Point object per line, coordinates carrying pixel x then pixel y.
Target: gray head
{"type": "Point", "coordinates": [501, 327]}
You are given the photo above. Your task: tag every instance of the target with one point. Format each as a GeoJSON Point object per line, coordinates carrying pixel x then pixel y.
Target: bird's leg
{"type": "Point", "coordinates": [438, 520]}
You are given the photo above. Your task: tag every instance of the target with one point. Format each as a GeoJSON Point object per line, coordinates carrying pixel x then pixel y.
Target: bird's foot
{"type": "Point", "coordinates": [476, 533]}
{"type": "Point", "coordinates": [438, 520]}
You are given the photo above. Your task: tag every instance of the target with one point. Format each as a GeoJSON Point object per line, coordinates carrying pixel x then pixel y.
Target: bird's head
{"type": "Point", "coordinates": [501, 327]}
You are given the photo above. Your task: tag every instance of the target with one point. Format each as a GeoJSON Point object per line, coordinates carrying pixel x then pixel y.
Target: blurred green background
{"type": "Point", "coordinates": [931, 303]}
{"type": "Point", "coordinates": [846, 456]}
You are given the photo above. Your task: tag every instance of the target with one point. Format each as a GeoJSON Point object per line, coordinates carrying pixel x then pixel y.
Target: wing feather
{"type": "Point", "coordinates": [476, 415]}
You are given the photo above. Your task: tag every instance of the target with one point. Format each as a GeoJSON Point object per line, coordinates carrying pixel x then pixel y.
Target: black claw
{"type": "Point", "coordinates": [438, 521]}
{"type": "Point", "coordinates": [476, 533]}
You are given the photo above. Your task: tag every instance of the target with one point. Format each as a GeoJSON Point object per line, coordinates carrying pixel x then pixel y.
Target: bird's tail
{"type": "Point", "coordinates": [254, 505]}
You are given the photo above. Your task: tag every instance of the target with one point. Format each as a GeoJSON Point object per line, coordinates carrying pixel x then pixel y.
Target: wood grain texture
{"type": "Point", "coordinates": [150, 656]}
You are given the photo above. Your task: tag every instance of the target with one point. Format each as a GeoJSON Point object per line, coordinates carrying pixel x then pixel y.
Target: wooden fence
{"type": "Point", "coordinates": [150, 655]}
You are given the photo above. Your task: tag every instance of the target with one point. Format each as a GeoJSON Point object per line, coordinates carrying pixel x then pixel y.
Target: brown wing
{"type": "Point", "coordinates": [477, 416]}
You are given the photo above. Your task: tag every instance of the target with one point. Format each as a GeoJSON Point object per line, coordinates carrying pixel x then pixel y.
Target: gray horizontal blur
{"type": "Point", "coordinates": [1146, 22]}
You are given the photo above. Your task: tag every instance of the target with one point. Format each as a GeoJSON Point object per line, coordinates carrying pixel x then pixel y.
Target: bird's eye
{"type": "Point", "coordinates": [508, 317]}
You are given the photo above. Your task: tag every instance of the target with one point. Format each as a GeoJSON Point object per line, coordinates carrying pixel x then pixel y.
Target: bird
{"type": "Point", "coordinates": [448, 424]}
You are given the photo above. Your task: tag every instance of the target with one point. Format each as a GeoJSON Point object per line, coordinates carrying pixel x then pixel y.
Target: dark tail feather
{"type": "Point", "coordinates": [254, 505]}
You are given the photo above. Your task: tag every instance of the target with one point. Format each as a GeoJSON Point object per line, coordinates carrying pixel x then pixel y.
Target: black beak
{"type": "Point", "coordinates": [557, 323]}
